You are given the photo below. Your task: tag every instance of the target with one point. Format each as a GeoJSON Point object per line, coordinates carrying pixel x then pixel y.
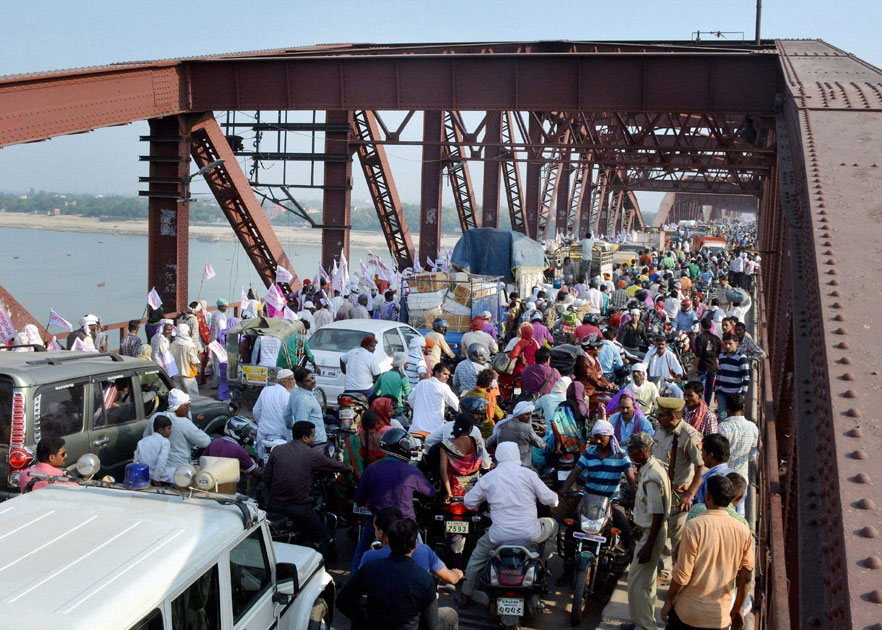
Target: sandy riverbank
{"type": "Point", "coordinates": [288, 236]}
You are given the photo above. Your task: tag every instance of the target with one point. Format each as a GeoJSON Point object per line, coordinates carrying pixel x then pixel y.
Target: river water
{"type": "Point", "coordinates": [63, 270]}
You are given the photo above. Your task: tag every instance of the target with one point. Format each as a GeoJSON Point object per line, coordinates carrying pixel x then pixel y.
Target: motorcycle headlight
{"type": "Point", "coordinates": [592, 526]}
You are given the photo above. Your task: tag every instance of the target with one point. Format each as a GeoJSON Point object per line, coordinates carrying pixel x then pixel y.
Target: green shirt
{"type": "Point", "coordinates": [392, 383]}
{"type": "Point", "coordinates": [293, 352]}
{"type": "Point", "coordinates": [693, 271]}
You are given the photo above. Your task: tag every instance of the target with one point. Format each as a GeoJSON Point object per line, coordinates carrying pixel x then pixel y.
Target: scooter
{"type": "Point", "coordinates": [514, 581]}
{"type": "Point", "coordinates": [594, 545]}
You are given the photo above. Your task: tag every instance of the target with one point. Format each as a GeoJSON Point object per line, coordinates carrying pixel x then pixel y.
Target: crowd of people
{"type": "Point", "coordinates": [642, 374]}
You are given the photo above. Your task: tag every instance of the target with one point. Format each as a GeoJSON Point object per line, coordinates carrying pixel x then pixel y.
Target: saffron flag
{"type": "Point", "coordinates": [283, 275]}
{"type": "Point", "coordinates": [153, 299]}
{"type": "Point", "coordinates": [7, 330]}
{"type": "Point", "coordinates": [209, 272]}
{"type": "Point", "coordinates": [54, 345]}
{"type": "Point", "coordinates": [58, 320]}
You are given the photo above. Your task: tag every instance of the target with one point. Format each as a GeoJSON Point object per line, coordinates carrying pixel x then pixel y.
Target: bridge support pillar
{"type": "Point", "coordinates": [490, 201]}
{"type": "Point", "coordinates": [430, 197]}
{"type": "Point", "coordinates": [336, 201]}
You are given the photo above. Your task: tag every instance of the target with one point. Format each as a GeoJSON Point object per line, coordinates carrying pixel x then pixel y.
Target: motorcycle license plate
{"type": "Point", "coordinates": [590, 537]}
{"type": "Point", "coordinates": [562, 475]}
{"type": "Point", "coordinates": [347, 414]}
{"type": "Point", "coordinates": [456, 527]}
{"type": "Point", "coordinates": [330, 372]}
{"type": "Point", "coordinates": [360, 509]}
{"type": "Point", "coordinates": [510, 606]}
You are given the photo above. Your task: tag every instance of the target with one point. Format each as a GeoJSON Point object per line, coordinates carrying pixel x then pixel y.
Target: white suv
{"type": "Point", "coordinates": [91, 557]}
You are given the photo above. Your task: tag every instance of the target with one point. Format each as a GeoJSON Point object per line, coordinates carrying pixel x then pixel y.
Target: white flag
{"type": "Point", "coordinates": [7, 330]}
{"type": "Point", "coordinates": [218, 350]}
{"type": "Point", "coordinates": [58, 320]}
{"type": "Point", "coordinates": [287, 313]}
{"type": "Point", "coordinates": [153, 299]}
{"type": "Point", "coordinates": [79, 346]}
{"type": "Point", "coordinates": [209, 272]}
{"type": "Point", "coordinates": [243, 299]}
{"type": "Point", "coordinates": [54, 345]}
{"type": "Point", "coordinates": [283, 275]}
{"type": "Point", "coordinates": [274, 298]}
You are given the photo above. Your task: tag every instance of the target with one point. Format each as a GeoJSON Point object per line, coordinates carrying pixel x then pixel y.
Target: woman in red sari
{"type": "Point", "coordinates": [374, 424]}
{"type": "Point", "coordinates": [522, 350]}
{"type": "Point", "coordinates": [460, 460]}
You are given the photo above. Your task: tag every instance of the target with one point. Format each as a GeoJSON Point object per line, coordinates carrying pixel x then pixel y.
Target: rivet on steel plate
{"type": "Point", "coordinates": [848, 376]}
{"type": "Point", "coordinates": [856, 432]}
{"type": "Point", "coordinates": [859, 454]}
{"type": "Point", "coordinates": [854, 413]}
{"type": "Point", "coordinates": [865, 504]}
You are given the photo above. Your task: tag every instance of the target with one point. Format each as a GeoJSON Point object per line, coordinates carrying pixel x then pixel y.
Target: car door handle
{"type": "Point", "coordinates": [101, 442]}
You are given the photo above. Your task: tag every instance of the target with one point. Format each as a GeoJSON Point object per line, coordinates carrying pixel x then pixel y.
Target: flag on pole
{"type": "Point", "coordinates": [287, 313]}
{"type": "Point", "coordinates": [153, 299]}
{"type": "Point", "coordinates": [324, 274]}
{"type": "Point", "coordinates": [243, 299]}
{"type": "Point", "coordinates": [274, 298]}
{"type": "Point", "coordinates": [283, 275]}
{"type": "Point", "coordinates": [79, 346]}
{"type": "Point", "coordinates": [54, 345]}
{"type": "Point", "coordinates": [7, 330]}
{"type": "Point", "coordinates": [344, 266]}
{"type": "Point", "coordinates": [58, 320]}
{"type": "Point", "coordinates": [209, 272]}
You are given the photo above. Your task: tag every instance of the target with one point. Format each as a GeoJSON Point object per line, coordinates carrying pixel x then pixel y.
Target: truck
{"type": "Point", "coordinates": [712, 244]}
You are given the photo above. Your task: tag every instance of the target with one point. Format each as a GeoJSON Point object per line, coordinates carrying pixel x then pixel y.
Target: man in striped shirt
{"type": "Point", "coordinates": [733, 375]}
{"type": "Point", "coordinates": [600, 468]}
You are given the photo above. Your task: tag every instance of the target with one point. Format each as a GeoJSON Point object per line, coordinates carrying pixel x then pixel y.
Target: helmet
{"type": "Point", "coordinates": [686, 303]}
{"type": "Point", "coordinates": [438, 323]}
{"type": "Point", "coordinates": [536, 316]}
{"type": "Point", "coordinates": [640, 294]}
{"type": "Point", "coordinates": [590, 318]}
{"type": "Point", "coordinates": [477, 352]}
{"type": "Point", "coordinates": [473, 404]}
{"type": "Point", "coordinates": [591, 342]}
{"type": "Point", "coordinates": [241, 429]}
{"type": "Point", "coordinates": [399, 444]}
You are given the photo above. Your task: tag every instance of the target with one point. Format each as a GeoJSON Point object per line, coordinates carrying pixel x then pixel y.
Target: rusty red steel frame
{"type": "Point", "coordinates": [791, 123]}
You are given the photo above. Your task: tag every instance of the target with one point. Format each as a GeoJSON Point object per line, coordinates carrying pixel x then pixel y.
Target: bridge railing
{"type": "Point", "coordinates": [771, 592]}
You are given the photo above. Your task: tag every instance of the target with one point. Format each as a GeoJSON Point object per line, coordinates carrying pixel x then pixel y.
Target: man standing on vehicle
{"type": "Point", "coordinates": [511, 490]}
{"type": "Point", "coordinates": [288, 475]}
{"type": "Point", "coordinates": [652, 505]}
{"type": "Point", "coordinates": [270, 410]}
{"type": "Point", "coordinates": [361, 367]}
{"type": "Point", "coordinates": [428, 399]}
{"type": "Point", "coordinates": [185, 435]}
{"type": "Point", "coordinates": [304, 406]}
{"type": "Point", "coordinates": [130, 346]}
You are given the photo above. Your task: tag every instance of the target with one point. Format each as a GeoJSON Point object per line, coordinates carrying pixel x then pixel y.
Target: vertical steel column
{"type": "Point", "coordinates": [336, 200]}
{"type": "Point", "coordinates": [430, 196]}
{"type": "Point", "coordinates": [168, 210]}
{"type": "Point", "coordinates": [563, 192]}
{"type": "Point", "coordinates": [534, 177]}
{"type": "Point", "coordinates": [585, 201]}
{"type": "Point", "coordinates": [492, 153]}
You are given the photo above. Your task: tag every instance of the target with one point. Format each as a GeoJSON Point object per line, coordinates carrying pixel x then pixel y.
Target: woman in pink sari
{"type": "Point", "coordinates": [460, 460]}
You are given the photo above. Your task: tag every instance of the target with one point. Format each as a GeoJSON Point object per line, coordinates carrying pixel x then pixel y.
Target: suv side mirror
{"type": "Point", "coordinates": [287, 571]}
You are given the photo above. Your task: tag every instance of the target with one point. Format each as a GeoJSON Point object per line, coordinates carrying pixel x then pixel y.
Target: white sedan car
{"type": "Point", "coordinates": [331, 342]}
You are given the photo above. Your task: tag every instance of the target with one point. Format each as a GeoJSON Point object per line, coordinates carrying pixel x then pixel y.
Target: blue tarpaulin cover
{"type": "Point", "coordinates": [493, 252]}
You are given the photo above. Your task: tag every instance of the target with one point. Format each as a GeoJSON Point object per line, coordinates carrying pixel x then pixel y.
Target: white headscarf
{"type": "Point", "coordinates": [525, 406]}
{"type": "Point", "coordinates": [508, 453]}
{"type": "Point", "coordinates": [183, 336]}
{"type": "Point", "coordinates": [560, 386]}
{"type": "Point", "coordinates": [639, 390]}
{"type": "Point", "coordinates": [176, 398]}
{"type": "Point", "coordinates": [603, 427]}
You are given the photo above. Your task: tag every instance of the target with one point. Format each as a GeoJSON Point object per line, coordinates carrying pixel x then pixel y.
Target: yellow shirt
{"type": "Point", "coordinates": [713, 548]}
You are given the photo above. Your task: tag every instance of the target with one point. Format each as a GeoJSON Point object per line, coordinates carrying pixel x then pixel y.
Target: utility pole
{"type": "Point", "coordinates": [759, 12]}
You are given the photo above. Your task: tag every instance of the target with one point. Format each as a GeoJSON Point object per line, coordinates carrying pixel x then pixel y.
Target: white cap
{"type": "Point", "coordinates": [487, 315]}
{"type": "Point", "coordinates": [639, 367]}
{"type": "Point", "coordinates": [634, 312]}
{"type": "Point", "coordinates": [176, 398]}
{"type": "Point", "coordinates": [285, 373]}
{"type": "Point", "coordinates": [308, 304]}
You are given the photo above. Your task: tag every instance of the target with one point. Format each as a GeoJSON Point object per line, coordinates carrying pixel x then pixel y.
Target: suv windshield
{"type": "Point", "coordinates": [336, 339]}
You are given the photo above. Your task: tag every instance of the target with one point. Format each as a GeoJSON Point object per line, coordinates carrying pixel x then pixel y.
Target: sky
{"type": "Point", "coordinates": [41, 35]}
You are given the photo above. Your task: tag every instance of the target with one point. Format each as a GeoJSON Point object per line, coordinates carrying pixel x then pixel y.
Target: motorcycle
{"type": "Point", "coordinates": [284, 529]}
{"type": "Point", "coordinates": [596, 547]}
{"type": "Point", "coordinates": [514, 581]}
{"type": "Point", "coordinates": [350, 408]}
{"type": "Point", "coordinates": [457, 528]}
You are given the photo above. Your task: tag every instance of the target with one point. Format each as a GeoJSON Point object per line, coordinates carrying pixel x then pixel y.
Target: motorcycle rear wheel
{"type": "Point", "coordinates": [580, 595]}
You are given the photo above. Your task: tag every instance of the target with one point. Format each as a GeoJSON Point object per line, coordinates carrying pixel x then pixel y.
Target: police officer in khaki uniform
{"type": "Point", "coordinates": [684, 470]}
{"type": "Point", "coordinates": [652, 505]}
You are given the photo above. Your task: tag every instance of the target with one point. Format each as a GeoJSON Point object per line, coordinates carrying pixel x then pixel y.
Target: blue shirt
{"type": "Point", "coordinates": [624, 430]}
{"type": "Point", "coordinates": [602, 476]}
{"type": "Point", "coordinates": [719, 469]}
{"type": "Point", "coordinates": [610, 358]}
{"type": "Point", "coordinates": [422, 555]}
{"type": "Point", "coordinates": [685, 320]}
{"type": "Point", "coordinates": [303, 405]}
